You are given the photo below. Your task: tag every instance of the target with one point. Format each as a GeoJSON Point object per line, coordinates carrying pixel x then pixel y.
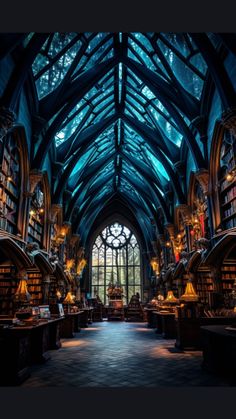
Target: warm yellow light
{"type": "Point", "coordinates": [9, 178]}
{"type": "Point", "coordinates": [63, 233]}
{"type": "Point", "coordinates": [41, 210]}
{"type": "Point", "coordinates": [70, 263]}
{"type": "Point", "coordinates": [189, 294]}
{"type": "Point", "coordinates": [69, 298]}
{"type": "Point", "coordinates": [168, 244]}
{"type": "Point", "coordinates": [81, 266]}
{"type": "Point", "coordinates": [32, 212]}
{"type": "Point", "coordinates": [170, 298]}
{"type": "Point", "coordinates": [229, 177]}
{"type": "Point", "coordinates": [195, 220]}
{"type": "Point", "coordinates": [179, 236]}
{"type": "Point", "coordinates": [22, 294]}
{"type": "Point", "coordinates": [58, 294]}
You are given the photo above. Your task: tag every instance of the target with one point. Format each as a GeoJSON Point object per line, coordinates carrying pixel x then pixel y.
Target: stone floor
{"type": "Point", "coordinates": [120, 354]}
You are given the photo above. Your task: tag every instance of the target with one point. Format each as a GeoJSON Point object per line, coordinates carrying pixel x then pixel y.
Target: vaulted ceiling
{"type": "Point", "coordinates": [121, 112]}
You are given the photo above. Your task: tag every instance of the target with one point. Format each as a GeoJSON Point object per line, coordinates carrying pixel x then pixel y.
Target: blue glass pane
{"type": "Point", "coordinates": [177, 40]}
{"type": "Point", "coordinates": [189, 80]}
{"type": "Point", "coordinates": [133, 56]}
{"type": "Point", "coordinates": [157, 165]}
{"type": "Point", "coordinates": [69, 129]}
{"type": "Point", "coordinates": [173, 134]}
{"type": "Point", "coordinates": [142, 54]}
{"type": "Point", "coordinates": [50, 79]}
{"type": "Point", "coordinates": [134, 113]}
{"type": "Point", "coordinates": [198, 62]}
{"type": "Point", "coordinates": [135, 103]}
{"type": "Point", "coordinates": [82, 162]}
{"type": "Point", "coordinates": [135, 92]}
{"type": "Point", "coordinates": [144, 40]}
{"type": "Point", "coordinates": [103, 113]}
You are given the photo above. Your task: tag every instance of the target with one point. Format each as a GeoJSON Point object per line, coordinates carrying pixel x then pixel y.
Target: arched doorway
{"type": "Point", "coordinates": [116, 258]}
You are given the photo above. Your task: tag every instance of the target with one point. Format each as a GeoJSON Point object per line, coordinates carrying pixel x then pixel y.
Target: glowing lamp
{"type": "Point", "coordinates": [69, 298]}
{"type": "Point", "coordinates": [170, 299]}
{"type": "Point", "coordinates": [32, 212]}
{"type": "Point", "coordinates": [168, 244]}
{"type": "Point", "coordinates": [229, 177]}
{"type": "Point", "coordinates": [9, 178]}
{"type": "Point", "coordinates": [179, 236]}
{"type": "Point", "coordinates": [58, 294]}
{"type": "Point", "coordinates": [22, 294]}
{"type": "Point", "coordinates": [189, 294]}
{"type": "Point", "coordinates": [41, 210]}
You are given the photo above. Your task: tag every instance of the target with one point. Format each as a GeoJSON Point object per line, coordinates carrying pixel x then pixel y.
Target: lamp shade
{"type": "Point", "coordinates": [190, 293]}
{"type": "Point", "coordinates": [69, 298]}
{"type": "Point", "coordinates": [170, 299]}
{"type": "Point", "coordinates": [22, 294]}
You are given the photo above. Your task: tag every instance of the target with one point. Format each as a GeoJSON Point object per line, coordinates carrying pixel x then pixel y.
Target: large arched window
{"type": "Point", "coordinates": [116, 258]}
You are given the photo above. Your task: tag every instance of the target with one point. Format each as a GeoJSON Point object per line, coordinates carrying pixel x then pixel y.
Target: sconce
{"type": "Point", "coordinates": [230, 176]}
{"type": "Point", "coordinates": [155, 265]}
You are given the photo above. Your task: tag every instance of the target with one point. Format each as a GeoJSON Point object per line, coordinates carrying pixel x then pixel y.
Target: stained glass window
{"type": "Point", "coordinates": [116, 259]}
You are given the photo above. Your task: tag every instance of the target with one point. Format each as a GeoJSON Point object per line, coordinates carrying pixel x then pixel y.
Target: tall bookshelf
{"type": "Point", "coordinates": [36, 216]}
{"type": "Point", "coordinates": [201, 210]}
{"type": "Point", "coordinates": [9, 185]}
{"type": "Point", "coordinates": [228, 275]}
{"type": "Point", "coordinates": [34, 285]}
{"type": "Point", "coordinates": [228, 186]}
{"type": "Point", "coordinates": [205, 285]}
{"type": "Point", "coordinates": [8, 286]}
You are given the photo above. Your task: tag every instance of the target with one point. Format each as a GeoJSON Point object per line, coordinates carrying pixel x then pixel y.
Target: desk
{"type": "Point", "coordinates": [151, 317]}
{"type": "Point", "coordinates": [22, 346]}
{"type": "Point", "coordinates": [70, 325]}
{"type": "Point", "coordinates": [219, 350]}
{"type": "Point", "coordinates": [166, 325]}
{"type": "Point", "coordinates": [86, 317]}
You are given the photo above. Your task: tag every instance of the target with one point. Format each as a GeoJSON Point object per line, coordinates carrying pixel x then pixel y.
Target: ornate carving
{"type": "Point", "coordinates": [203, 178]}
{"type": "Point", "coordinates": [185, 212]}
{"type": "Point", "coordinates": [30, 247]}
{"type": "Point", "coordinates": [171, 230]}
{"type": "Point", "coordinates": [55, 209]}
{"type": "Point", "coordinates": [34, 178]}
{"type": "Point", "coordinates": [7, 118]}
{"type": "Point", "coordinates": [228, 120]}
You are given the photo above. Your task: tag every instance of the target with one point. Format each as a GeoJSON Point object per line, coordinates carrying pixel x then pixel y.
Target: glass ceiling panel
{"type": "Point", "coordinates": [57, 70]}
{"type": "Point", "coordinates": [187, 77]}
{"type": "Point", "coordinates": [157, 165]}
{"type": "Point", "coordinates": [70, 128]}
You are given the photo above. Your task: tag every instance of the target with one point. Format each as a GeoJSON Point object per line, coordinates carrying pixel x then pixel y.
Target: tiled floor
{"type": "Point", "coordinates": [119, 354]}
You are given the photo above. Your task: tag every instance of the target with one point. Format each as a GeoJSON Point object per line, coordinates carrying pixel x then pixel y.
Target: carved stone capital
{"type": "Point", "coordinates": [7, 118]}
{"type": "Point", "coordinates": [185, 212]}
{"type": "Point", "coordinates": [55, 209]}
{"type": "Point", "coordinates": [75, 238]}
{"type": "Point", "coordinates": [203, 178]}
{"type": "Point", "coordinates": [34, 178]}
{"type": "Point", "coordinates": [171, 230]}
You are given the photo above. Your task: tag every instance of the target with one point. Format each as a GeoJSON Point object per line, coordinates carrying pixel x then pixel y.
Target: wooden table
{"type": "Point", "coordinates": [86, 317]}
{"type": "Point", "coordinates": [22, 346]}
{"type": "Point", "coordinates": [219, 350]}
{"type": "Point", "coordinates": [70, 324]}
{"type": "Point", "coordinates": [151, 317]}
{"type": "Point", "coordinates": [166, 325]}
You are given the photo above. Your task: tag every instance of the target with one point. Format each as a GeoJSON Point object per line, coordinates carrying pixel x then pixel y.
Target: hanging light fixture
{"type": "Point", "coordinates": [22, 294]}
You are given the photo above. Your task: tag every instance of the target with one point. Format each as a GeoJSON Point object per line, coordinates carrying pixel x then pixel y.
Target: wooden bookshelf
{"type": "Point", "coordinates": [8, 286]}
{"type": "Point", "coordinates": [36, 217]}
{"type": "Point", "coordinates": [9, 185]}
{"type": "Point", "coordinates": [228, 188]}
{"type": "Point", "coordinates": [34, 285]}
{"type": "Point", "coordinates": [205, 285]}
{"type": "Point", "coordinates": [228, 276]}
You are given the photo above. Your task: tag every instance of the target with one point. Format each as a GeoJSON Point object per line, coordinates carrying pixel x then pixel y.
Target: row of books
{"type": "Point", "coordinates": [228, 268]}
{"type": "Point", "coordinates": [227, 286]}
{"type": "Point", "coordinates": [231, 210]}
{"type": "Point", "coordinates": [34, 288]}
{"type": "Point", "coordinates": [208, 287]}
{"type": "Point", "coordinates": [230, 223]}
{"type": "Point", "coordinates": [230, 195]}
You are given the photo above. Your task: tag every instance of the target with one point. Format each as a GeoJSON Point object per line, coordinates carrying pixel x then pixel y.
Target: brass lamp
{"type": "Point", "coordinates": [69, 300]}
{"type": "Point", "coordinates": [190, 293]}
{"type": "Point", "coordinates": [22, 294]}
{"type": "Point", "coordinates": [170, 299]}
